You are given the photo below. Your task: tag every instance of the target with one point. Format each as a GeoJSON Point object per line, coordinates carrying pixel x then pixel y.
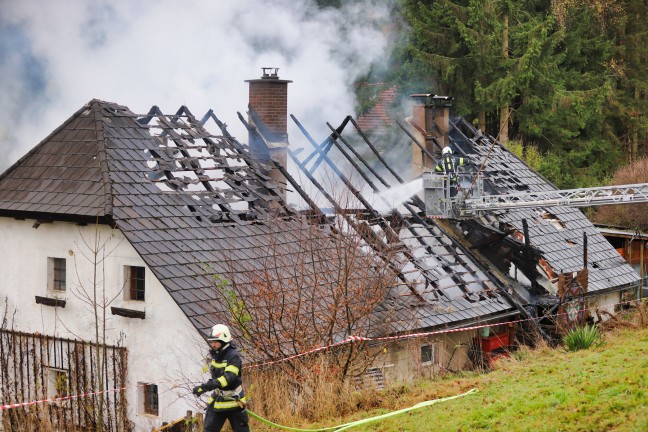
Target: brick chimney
{"type": "Point", "coordinates": [268, 111]}
{"type": "Point", "coordinates": [431, 120]}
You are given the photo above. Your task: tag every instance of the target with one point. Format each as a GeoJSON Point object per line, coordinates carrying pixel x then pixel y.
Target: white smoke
{"type": "Point", "coordinates": [55, 56]}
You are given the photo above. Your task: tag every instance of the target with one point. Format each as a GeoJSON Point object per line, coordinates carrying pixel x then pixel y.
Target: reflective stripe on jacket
{"type": "Point", "coordinates": [448, 164]}
{"type": "Point", "coordinates": [225, 369]}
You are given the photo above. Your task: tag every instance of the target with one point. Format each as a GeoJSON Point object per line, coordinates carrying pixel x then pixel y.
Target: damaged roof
{"type": "Point", "coordinates": [191, 201]}
{"type": "Point", "coordinates": [556, 231]}
{"type": "Point", "coordinates": [459, 278]}
{"type": "Point", "coordinates": [194, 203]}
{"type": "Point", "coordinates": [442, 282]}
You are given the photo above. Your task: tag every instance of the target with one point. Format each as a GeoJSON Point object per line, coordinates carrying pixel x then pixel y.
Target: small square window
{"type": "Point", "coordinates": [135, 283]}
{"type": "Point", "coordinates": [57, 383]}
{"type": "Point", "coordinates": [148, 397]}
{"type": "Point", "coordinates": [427, 354]}
{"type": "Point", "coordinates": [56, 274]}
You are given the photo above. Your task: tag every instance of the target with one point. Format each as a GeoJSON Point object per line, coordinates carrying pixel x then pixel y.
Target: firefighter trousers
{"type": "Point", "coordinates": [214, 420]}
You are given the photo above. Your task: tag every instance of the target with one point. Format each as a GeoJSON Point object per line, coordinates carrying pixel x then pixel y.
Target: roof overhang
{"type": "Point", "coordinates": [54, 217]}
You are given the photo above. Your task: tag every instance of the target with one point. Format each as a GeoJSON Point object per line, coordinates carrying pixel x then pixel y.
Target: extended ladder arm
{"type": "Point", "coordinates": [471, 199]}
{"type": "Point", "coordinates": [585, 197]}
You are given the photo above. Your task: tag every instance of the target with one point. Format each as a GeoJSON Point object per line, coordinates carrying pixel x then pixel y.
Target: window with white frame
{"type": "Point", "coordinates": [148, 398]}
{"type": "Point", "coordinates": [134, 288]}
{"type": "Point", "coordinates": [57, 383]}
{"type": "Point", "coordinates": [56, 274]}
{"type": "Point", "coordinates": [427, 354]}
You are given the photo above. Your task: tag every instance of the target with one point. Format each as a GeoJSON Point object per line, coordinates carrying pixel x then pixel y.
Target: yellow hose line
{"type": "Point", "coordinates": [347, 426]}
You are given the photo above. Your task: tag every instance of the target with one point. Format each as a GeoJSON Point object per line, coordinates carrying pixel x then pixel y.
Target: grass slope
{"type": "Point", "coordinates": [600, 389]}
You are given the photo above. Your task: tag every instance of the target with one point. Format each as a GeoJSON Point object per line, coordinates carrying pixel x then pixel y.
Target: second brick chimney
{"type": "Point", "coordinates": [268, 111]}
{"type": "Point", "coordinates": [431, 119]}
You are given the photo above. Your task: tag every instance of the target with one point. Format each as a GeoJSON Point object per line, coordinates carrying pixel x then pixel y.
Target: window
{"type": "Point", "coordinates": [148, 397]}
{"type": "Point", "coordinates": [427, 354]}
{"type": "Point", "coordinates": [56, 270]}
{"type": "Point", "coordinates": [135, 283]}
{"type": "Point", "coordinates": [57, 383]}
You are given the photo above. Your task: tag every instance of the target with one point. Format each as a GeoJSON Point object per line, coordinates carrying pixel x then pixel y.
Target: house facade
{"type": "Point", "coordinates": [74, 281]}
{"type": "Point", "coordinates": [118, 228]}
{"type": "Point", "coordinates": [631, 245]}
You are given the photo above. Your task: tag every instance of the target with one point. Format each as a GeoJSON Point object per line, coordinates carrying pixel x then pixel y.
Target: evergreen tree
{"type": "Point", "coordinates": [572, 72]}
{"type": "Point", "coordinates": [629, 65]}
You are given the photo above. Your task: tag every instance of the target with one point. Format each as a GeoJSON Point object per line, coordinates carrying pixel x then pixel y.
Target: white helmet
{"type": "Point", "coordinates": [446, 150]}
{"type": "Point", "coordinates": [220, 332]}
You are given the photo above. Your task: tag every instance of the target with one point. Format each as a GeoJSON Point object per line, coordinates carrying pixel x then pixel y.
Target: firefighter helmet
{"type": "Point", "coordinates": [220, 332]}
{"type": "Point", "coordinates": [446, 150]}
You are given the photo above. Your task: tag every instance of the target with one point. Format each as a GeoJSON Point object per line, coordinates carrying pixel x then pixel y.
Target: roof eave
{"type": "Point", "coordinates": [59, 217]}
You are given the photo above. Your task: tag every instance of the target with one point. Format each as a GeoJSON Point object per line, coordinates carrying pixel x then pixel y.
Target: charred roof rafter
{"type": "Point", "coordinates": [414, 214]}
{"type": "Point", "coordinates": [238, 188]}
{"type": "Point", "coordinates": [385, 226]}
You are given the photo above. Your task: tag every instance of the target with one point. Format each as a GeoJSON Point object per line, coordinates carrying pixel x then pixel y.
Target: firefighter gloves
{"type": "Point", "coordinates": [197, 391]}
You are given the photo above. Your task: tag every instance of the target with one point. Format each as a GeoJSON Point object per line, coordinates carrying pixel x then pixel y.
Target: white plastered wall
{"type": "Point", "coordinates": [605, 302]}
{"type": "Point", "coordinates": [163, 348]}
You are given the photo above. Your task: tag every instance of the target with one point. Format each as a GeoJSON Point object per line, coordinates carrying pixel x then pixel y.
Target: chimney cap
{"type": "Point", "coordinates": [431, 99]}
{"type": "Point", "coordinates": [269, 74]}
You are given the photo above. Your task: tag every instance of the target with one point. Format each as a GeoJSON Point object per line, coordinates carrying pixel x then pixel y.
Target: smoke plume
{"type": "Point", "coordinates": [55, 56]}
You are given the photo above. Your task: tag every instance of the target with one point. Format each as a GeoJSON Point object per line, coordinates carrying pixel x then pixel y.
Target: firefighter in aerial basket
{"type": "Point", "coordinates": [448, 164]}
{"type": "Point", "coordinates": [227, 402]}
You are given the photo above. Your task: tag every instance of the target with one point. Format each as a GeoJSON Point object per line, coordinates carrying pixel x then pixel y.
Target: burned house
{"type": "Point", "coordinates": [163, 215]}
{"type": "Point", "coordinates": [535, 252]}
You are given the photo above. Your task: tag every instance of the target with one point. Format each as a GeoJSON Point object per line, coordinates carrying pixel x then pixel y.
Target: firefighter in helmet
{"type": "Point", "coordinates": [227, 401]}
{"type": "Point", "coordinates": [448, 165]}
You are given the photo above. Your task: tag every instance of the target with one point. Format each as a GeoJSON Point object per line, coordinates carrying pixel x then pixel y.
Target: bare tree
{"type": "Point", "coordinates": [92, 291]}
{"type": "Point", "coordinates": [306, 286]}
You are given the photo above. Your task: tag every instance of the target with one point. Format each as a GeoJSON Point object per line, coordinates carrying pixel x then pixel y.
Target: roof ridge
{"type": "Point", "coordinates": [101, 153]}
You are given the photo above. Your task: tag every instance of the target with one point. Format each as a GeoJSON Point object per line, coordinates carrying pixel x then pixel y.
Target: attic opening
{"type": "Point", "coordinates": [216, 171]}
{"type": "Point", "coordinates": [551, 218]}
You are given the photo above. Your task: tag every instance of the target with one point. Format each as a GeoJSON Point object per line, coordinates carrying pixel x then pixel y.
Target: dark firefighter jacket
{"type": "Point", "coordinates": [448, 165]}
{"type": "Point", "coordinates": [225, 369]}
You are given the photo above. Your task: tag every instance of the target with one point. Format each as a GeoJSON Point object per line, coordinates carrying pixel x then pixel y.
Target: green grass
{"type": "Point", "coordinates": [604, 388]}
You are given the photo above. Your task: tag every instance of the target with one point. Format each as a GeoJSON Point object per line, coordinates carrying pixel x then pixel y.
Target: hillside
{"type": "Point", "coordinates": [600, 389]}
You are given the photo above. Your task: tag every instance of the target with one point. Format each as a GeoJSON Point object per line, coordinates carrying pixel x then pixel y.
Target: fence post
{"type": "Point", "coordinates": [198, 425]}
{"type": "Point", "coordinates": [189, 422]}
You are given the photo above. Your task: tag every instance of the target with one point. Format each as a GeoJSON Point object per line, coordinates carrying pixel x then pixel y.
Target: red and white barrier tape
{"type": "Point", "coordinates": [351, 339]}
{"type": "Point", "coordinates": [70, 397]}
{"type": "Point", "coordinates": [348, 340]}
{"type": "Point", "coordinates": [63, 398]}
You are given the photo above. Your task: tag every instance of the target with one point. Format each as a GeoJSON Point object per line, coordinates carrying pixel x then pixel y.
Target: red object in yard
{"type": "Point", "coordinates": [494, 342]}
{"type": "Point", "coordinates": [494, 347]}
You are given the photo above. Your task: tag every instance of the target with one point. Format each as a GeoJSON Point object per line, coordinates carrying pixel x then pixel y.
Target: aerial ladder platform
{"type": "Point", "coordinates": [469, 199]}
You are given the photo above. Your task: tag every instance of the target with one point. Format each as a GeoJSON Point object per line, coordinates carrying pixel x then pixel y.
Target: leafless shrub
{"type": "Point", "coordinates": [634, 317]}
{"type": "Point", "coordinates": [632, 215]}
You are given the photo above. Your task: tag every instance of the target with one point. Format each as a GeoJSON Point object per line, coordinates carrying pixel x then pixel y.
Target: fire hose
{"type": "Point", "coordinates": [350, 425]}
